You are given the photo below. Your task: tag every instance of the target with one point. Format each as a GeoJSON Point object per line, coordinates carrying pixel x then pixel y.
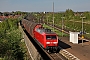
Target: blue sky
{"type": "Point", "coordinates": [44, 5]}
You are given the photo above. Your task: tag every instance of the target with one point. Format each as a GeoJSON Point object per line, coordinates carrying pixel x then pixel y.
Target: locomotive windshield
{"type": "Point", "coordinates": [51, 37]}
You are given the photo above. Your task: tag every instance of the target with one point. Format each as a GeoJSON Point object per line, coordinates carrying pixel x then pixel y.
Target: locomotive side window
{"type": "Point", "coordinates": [49, 37]}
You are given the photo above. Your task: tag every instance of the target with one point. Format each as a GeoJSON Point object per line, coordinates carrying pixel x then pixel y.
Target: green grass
{"type": "Point", "coordinates": [75, 26]}
{"type": "Point", "coordinates": [59, 33]}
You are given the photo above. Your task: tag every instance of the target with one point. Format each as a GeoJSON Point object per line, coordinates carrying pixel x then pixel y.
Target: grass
{"type": "Point", "coordinates": [59, 33]}
{"type": "Point", "coordinates": [76, 26]}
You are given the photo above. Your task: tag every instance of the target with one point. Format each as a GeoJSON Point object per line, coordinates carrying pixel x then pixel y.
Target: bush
{"type": "Point", "coordinates": [10, 38]}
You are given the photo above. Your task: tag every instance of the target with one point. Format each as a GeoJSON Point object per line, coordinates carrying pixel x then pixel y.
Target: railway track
{"type": "Point", "coordinates": [57, 56]}
{"type": "Point", "coordinates": [65, 31]}
{"type": "Point", "coordinates": [65, 53]}
{"type": "Point", "coordinates": [44, 54]}
{"type": "Point", "coordinates": [49, 56]}
{"type": "Point", "coordinates": [58, 28]}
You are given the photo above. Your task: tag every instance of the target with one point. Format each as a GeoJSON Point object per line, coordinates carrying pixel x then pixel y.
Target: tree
{"type": "Point", "coordinates": [4, 47]}
{"type": "Point", "coordinates": [87, 15]}
{"type": "Point", "coordinates": [1, 13]}
{"type": "Point", "coordinates": [69, 14]}
{"type": "Point", "coordinates": [10, 38]}
{"type": "Point", "coordinates": [14, 39]}
{"type": "Point", "coordinates": [6, 13]}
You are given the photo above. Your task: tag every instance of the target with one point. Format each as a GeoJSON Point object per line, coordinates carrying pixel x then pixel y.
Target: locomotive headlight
{"type": "Point", "coordinates": [54, 42]}
{"type": "Point", "coordinates": [47, 42]}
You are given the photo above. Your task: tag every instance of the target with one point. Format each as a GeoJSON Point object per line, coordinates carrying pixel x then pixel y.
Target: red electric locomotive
{"type": "Point", "coordinates": [46, 38]}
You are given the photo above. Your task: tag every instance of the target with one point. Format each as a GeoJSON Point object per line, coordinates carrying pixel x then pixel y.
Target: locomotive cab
{"type": "Point", "coordinates": [51, 40]}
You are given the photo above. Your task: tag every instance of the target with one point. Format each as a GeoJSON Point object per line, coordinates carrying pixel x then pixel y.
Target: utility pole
{"type": "Point", "coordinates": [62, 25]}
{"type": "Point", "coordinates": [82, 30]}
{"type": "Point", "coordinates": [53, 16]}
{"type": "Point", "coordinates": [47, 19]}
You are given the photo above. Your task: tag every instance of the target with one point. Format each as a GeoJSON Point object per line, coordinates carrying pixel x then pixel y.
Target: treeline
{"type": "Point", "coordinates": [10, 39]}
{"type": "Point", "coordinates": [12, 13]}
{"type": "Point", "coordinates": [68, 15]}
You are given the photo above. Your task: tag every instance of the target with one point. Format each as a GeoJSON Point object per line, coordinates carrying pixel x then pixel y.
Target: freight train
{"type": "Point", "coordinates": [45, 37]}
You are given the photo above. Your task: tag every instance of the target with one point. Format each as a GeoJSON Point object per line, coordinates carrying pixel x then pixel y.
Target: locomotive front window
{"type": "Point", "coordinates": [49, 37]}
